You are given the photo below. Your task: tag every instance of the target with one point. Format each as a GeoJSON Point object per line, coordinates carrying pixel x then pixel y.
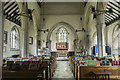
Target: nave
{"type": "Point", "coordinates": [59, 40]}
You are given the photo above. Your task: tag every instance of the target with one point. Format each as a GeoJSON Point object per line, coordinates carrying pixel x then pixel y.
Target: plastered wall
{"type": "Point", "coordinates": [8, 25]}
{"type": "Point", "coordinates": [61, 12]}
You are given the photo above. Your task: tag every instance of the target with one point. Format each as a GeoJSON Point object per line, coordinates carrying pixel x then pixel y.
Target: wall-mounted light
{"type": "Point", "coordinates": [43, 30]}
{"type": "Point", "coordinates": [81, 30]}
{"type": "Point", "coordinates": [82, 27]}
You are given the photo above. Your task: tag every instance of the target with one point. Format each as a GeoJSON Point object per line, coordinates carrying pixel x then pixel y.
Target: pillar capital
{"type": "Point", "coordinates": [100, 25]}
{"type": "Point", "coordinates": [48, 40]}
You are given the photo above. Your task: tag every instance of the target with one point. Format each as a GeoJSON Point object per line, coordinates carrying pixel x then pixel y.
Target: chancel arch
{"type": "Point", "coordinates": [62, 23]}
{"type": "Point", "coordinates": [61, 33]}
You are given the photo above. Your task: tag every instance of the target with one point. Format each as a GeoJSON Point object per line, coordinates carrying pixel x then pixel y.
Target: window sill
{"type": "Point", "coordinates": [13, 49]}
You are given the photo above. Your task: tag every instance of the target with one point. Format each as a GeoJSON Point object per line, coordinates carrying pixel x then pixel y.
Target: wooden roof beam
{"type": "Point", "coordinates": [11, 9]}
{"type": "Point", "coordinates": [9, 6]}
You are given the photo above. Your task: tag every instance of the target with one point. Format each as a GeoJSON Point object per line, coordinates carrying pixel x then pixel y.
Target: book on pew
{"type": "Point", "coordinates": [105, 63]}
{"type": "Point", "coordinates": [90, 62]}
{"type": "Point", "coordinates": [116, 63]}
{"type": "Point", "coordinates": [34, 66]}
{"type": "Point", "coordinates": [14, 67]}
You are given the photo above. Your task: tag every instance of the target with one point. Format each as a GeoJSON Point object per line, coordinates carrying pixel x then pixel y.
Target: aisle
{"type": "Point", "coordinates": [63, 71]}
{"type": "Point", "coordinates": [62, 59]}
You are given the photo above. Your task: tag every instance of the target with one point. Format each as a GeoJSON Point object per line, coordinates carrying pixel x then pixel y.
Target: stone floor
{"type": "Point", "coordinates": [62, 59]}
{"type": "Point", "coordinates": [63, 71]}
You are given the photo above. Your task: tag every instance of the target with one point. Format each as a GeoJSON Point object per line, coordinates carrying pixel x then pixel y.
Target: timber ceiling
{"type": "Point", "coordinates": [11, 12]}
{"type": "Point", "coordinates": [115, 16]}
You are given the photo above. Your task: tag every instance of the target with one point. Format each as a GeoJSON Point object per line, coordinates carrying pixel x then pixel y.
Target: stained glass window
{"type": "Point", "coordinates": [62, 35]}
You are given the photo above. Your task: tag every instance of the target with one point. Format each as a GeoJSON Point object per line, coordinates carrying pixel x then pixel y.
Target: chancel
{"type": "Point", "coordinates": [52, 40]}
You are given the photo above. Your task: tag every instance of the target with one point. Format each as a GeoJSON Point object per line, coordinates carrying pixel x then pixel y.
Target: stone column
{"type": "Point", "coordinates": [36, 24]}
{"type": "Point", "coordinates": [36, 45]}
{"type": "Point", "coordinates": [101, 6]}
{"type": "Point", "coordinates": [24, 28]}
{"type": "Point", "coordinates": [1, 37]}
{"type": "Point", "coordinates": [88, 46]}
{"type": "Point", "coordinates": [119, 38]}
{"type": "Point", "coordinates": [100, 39]}
{"type": "Point", "coordinates": [75, 45]}
{"type": "Point", "coordinates": [49, 44]}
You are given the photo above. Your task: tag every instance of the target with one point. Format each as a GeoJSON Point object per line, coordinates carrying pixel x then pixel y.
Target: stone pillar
{"type": "Point", "coordinates": [88, 46]}
{"type": "Point", "coordinates": [49, 44]}
{"type": "Point", "coordinates": [119, 38]}
{"type": "Point", "coordinates": [101, 6]}
{"type": "Point", "coordinates": [100, 39]}
{"type": "Point", "coordinates": [75, 45]}
{"type": "Point", "coordinates": [24, 28]}
{"type": "Point", "coordinates": [36, 24]}
{"type": "Point", "coordinates": [1, 37]}
{"type": "Point", "coordinates": [36, 45]}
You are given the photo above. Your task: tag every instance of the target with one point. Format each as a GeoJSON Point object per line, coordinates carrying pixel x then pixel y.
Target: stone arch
{"type": "Point", "coordinates": [55, 26]}
{"type": "Point", "coordinates": [114, 29]}
{"type": "Point", "coordinates": [35, 21]}
{"type": "Point", "coordinates": [94, 35]}
{"type": "Point", "coordinates": [66, 25]}
{"type": "Point", "coordinates": [35, 24]}
{"type": "Point", "coordinates": [89, 18]}
{"type": "Point", "coordinates": [115, 39]}
{"type": "Point", "coordinates": [15, 27]}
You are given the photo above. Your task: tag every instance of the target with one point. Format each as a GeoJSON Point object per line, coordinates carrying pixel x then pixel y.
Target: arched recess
{"type": "Point", "coordinates": [94, 39]}
{"type": "Point", "coordinates": [87, 25]}
{"type": "Point", "coordinates": [94, 44]}
{"type": "Point", "coordinates": [115, 40]}
{"type": "Point", "coordinates": [55, 26]}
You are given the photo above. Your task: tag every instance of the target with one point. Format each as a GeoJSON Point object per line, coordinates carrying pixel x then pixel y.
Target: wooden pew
{"type": "Point", "coordinates": [25, 73]}
{"type": "Point", "coordinates": [53, 65]}
{"type": "Point", "coordinates": [45, 72]}
{"type": "Point", "coordinates": [72, 62]}
{"type": "Point", "coordinates": [85, 72]}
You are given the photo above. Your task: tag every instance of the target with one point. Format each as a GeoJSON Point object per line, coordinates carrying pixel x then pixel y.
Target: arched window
{"type": "Point", "coordinates": [15, 38]}
{"type": "Point", "coordinates": [62, 35]}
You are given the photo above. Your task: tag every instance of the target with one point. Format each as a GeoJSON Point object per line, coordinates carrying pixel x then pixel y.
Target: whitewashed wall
{"type": "Point", "coordinates": [8, 25]}
{"type": "Point", "coordinates": [70, 39]}
{"type": "Point", "coordinates": [61, 12]}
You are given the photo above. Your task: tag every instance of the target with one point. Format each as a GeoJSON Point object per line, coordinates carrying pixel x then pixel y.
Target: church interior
{"type": "Point", "coordinates": [60, 40]}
